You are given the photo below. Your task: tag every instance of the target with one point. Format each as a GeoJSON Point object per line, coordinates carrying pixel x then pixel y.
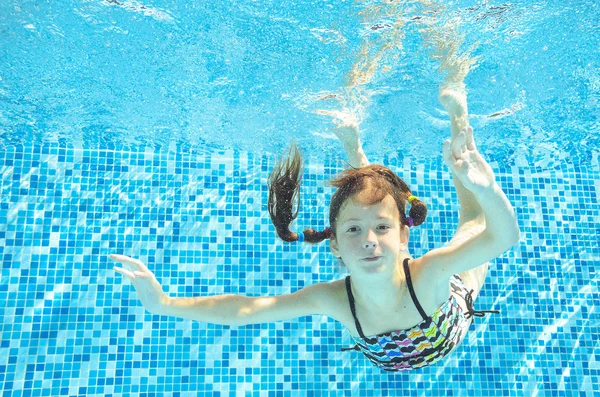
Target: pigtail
{"type": "Point", "coordinates": [284, 189]}
{"type": "Point", "coordinates": [418, 210]}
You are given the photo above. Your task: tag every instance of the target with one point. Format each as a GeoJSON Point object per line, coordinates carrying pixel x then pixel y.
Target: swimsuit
{"type": "Point", "coordinates": [427, 342]}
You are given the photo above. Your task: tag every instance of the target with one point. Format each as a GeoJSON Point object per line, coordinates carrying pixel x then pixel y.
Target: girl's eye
{"type": "Point", "coordinates": [354, 228]}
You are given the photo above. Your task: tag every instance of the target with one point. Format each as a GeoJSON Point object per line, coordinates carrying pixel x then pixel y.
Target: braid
{"type": "Point", "coordinates": [284, 188]}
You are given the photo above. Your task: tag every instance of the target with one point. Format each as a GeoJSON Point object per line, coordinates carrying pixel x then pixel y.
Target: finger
{"type": "Point", "coordinates": [470, 139]}
{"type": "Point", "coordinates": [333, 113]}
{"type": "Point", "coordinates": [133, 263]}
{"type": "Point", "coordinates": [118, 258]}
{"type": "Point", "coordinates": [458, 145]}
{"type": "Point", "coordinates": [126, 262]}
{"type": "Point", "coordinates": [125, 273]}
{"type": "Point", "coordinates": [447, 155]}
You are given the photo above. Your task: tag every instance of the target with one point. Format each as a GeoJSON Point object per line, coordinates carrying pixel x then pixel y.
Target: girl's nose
{"type": "Point", "coordinates": [371, 244]}
{"type": "Point", "coordinates": [370, 240]}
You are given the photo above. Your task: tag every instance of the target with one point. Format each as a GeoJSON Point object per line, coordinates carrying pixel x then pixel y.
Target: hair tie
{"type": "Point", "coordinates": [410, 221]}
{"type": "Point", "coordinates": [412, 198]}
{"type": "Point", "coordinates": [300, 237]}
{"type": "Point", "coordinates": [327, 232]}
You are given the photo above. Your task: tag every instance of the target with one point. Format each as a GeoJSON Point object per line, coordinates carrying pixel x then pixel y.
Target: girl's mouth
{"type": "Point", "coordinates": [371, 259]}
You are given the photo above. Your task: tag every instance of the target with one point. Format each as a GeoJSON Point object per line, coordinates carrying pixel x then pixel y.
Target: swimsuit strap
{"type": "Point", "coordinates": [352, 308]}
{"type": "Point", "coordinates": [412, 291]}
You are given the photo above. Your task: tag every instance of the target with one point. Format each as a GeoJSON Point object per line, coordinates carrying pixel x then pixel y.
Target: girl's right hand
{"type": "Point", "coordinates": [147, 287]}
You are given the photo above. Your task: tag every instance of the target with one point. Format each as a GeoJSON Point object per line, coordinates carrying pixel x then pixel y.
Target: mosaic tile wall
{"type": "Point", "coordinates": [71, 326]}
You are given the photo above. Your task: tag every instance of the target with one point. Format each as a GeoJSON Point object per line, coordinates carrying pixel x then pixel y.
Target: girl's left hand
{"type": "Point", "coordinates": [341, 118]}
{"type": "Point", "coordinates": [466, 162]}
{"type": "Point", "coordinates": [346, 124]}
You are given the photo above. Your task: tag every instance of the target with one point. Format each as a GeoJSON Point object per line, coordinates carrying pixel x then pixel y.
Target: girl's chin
{"type": "Point", "coordinates": [377, 266]}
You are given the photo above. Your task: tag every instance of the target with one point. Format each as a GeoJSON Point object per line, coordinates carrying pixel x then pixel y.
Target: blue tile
{"type": "Point", "coordinates": [71, 326]}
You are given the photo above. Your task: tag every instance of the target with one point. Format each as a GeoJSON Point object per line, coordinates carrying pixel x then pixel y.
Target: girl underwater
{"type": "Point", "coordinates": [402, 312]}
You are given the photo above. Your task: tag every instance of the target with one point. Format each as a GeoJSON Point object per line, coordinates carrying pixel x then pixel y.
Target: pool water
{"type": "Point", "coordinates": [150, 130]}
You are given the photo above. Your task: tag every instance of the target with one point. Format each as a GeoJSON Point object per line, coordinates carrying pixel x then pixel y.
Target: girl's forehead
{"type": "Point", "coordinates": [356, 206]}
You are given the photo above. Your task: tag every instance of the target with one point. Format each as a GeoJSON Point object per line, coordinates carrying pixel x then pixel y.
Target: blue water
{"type": "Point", "coordinates": [150, 130]}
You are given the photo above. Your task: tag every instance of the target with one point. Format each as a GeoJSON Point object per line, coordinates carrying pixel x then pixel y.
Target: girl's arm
{"type": "Point", "coordinates": [501, 229]}
{"type": "Point", "coordinates": [237, 310]}
{"type": "Point", "coordinates": [501, 232]}
{"type": "Point", "coordinates": [227, 309]}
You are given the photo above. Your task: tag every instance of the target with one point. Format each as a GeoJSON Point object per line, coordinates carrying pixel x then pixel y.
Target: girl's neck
{"type": "Point", "coordinates": [382, 290]}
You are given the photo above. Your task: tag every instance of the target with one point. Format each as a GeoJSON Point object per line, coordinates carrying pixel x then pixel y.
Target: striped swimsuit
{"type": "Point", "coordinates": [427, 342]}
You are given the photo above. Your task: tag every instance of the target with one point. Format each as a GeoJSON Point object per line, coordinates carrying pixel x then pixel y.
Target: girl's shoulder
{"type": "Point", "coordinates": [337, 293]}
{"type": "Point", "coordinates": [336, 306]}
{"type": "Point", "coordinates": [431, 288]}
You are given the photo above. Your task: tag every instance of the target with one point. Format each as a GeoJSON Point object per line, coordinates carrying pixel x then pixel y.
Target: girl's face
{"type": "Point", "coordinates": [369, 238]}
